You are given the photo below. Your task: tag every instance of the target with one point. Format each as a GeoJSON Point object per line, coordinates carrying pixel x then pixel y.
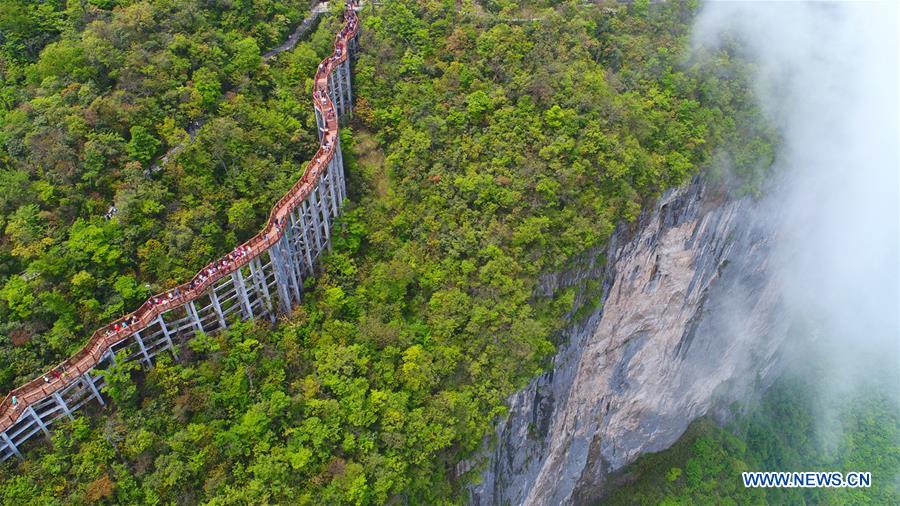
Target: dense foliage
{"type": "Point", "coordinates": [93, 93]}
{"type": "Point", "coordinates": [492, 145]}
{"type": "Point", "coordinates": [785, 433]}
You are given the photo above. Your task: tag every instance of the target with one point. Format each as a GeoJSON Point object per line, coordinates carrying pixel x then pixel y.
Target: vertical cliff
{"type": "Point", "coordinates": [667, 345]}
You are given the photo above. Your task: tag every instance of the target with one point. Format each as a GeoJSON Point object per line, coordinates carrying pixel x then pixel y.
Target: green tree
{"type": "Point", "coordinates": [245, 58]}
{"type": "Point", "coordinates": [207, 83]}
{"type": "Point", "coordinates": [143, 145]}
{"type": "Point", "coordinates": [119, 383]}
{"type": "Point", "coordinates": [242, 216]}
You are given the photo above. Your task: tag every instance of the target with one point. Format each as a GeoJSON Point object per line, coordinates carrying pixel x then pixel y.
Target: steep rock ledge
{"type": "Point", "coordinates": [690, 322]}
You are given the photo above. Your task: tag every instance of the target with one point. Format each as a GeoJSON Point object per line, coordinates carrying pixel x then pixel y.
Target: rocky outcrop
{"type": "Point", "coordinates": [690, 323]}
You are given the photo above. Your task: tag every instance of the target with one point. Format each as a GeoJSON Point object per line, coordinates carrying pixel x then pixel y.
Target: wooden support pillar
{"type": "Point", "coordinates": [62, 404]}
{"type": "Point", "coordinates": [86, 377]}
{"type": "Point", "coordinates": [237, 278]}
{"type": "Point", "coordinates": [217, 307]}
{"type": "Point", "coordinates": [30, 411]}
{"type": "Point", "coordinates": [11, 445]}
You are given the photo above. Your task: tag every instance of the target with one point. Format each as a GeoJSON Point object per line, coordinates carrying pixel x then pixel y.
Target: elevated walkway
{"type": "Point", "coordinates": [261, 278]}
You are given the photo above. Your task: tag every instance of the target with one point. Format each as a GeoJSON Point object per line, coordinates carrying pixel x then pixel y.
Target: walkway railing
{"type": "Point", "coordinates": [260, 278]}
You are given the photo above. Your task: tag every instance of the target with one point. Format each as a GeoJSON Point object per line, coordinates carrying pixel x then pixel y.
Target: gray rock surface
{"type": "Point", "coordinates": [691, 321]}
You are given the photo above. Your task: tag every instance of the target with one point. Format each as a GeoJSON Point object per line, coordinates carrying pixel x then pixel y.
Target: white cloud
{"type": "Point", "coordinates": [828, 79]}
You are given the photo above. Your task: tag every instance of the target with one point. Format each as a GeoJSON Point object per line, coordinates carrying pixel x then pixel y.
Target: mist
{"type": "Point", "coordinates": [826, 78]}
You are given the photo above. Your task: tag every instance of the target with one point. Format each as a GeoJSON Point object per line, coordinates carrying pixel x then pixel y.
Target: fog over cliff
{"type": "Point", "coordinates": [708, 299]}
{"type": "Point", "coordinates": [828, 79]}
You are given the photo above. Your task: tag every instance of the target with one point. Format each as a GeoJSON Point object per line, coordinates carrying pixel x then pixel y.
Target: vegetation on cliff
{"type": "Point", "coordinates": [491, 144]}
{"type": "Point", "coordinates": [786, 432]}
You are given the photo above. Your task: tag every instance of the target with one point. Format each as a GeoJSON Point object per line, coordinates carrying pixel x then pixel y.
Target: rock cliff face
{"type": "Point", "coordinates": [690, 322]}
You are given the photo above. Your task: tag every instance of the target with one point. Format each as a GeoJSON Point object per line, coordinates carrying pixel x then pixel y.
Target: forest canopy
{"type": "Point", "coordinates": [793, 428]}
{"type": "Point", "coordinates": [492, 144]}
{"type": "Point", "coordinates": [94, 94]}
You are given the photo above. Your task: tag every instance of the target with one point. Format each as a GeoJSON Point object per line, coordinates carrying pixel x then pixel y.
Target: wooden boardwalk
{"type": "Point", "coordinates": [261, 278]}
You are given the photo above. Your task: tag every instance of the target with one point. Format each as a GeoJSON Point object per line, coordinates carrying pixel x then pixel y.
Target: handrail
{"type": "Point", "coordinates": [105, 337]}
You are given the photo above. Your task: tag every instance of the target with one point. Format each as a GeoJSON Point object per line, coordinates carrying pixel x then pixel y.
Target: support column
{"type": "Point", "coordinates": [313, 208]}
{"type": "Point", "coordinates": [293, 244]}
{"type": "Point", "coordinates": [298, 272]}
{"type": "Point", "coordinates": [90, 383]}
{"type": "Point", "coordinates": [137, 337]}
{"type": "Point", "coordinates": [37, 419]}
{"type": "Point", "coordinates": [237, 278]}
{"type": "Point", "coordinates": [165, 331]}
{"type": "Point", "coordinates": [257, 273]}
{"type": "Point", "coordinates": [192, 310]}
{"type": "Point", "coordinates": [331, 183]}
{"type": "Point", "coordinates": [217, 307]}
{"type": "Point", "coordinates": [345, 92]}
{"type": "Point", "coordinates": [12, 446]}
{"type": "Point", "coordinates": [290, 266]}
{"type": "Point", "coordinates": [325, 203]}
{"type": "Point", "coordinates": [280, 278]}
{"type": "Point", "coordinates": [320, 123]}
{"type": "Point", "coordinates": [303, 237]}
{"type": "Point", "coordinates": [342, 184]}
{"type": "Point", "coordinates": [347, 76]}
{"type": "Point", "coordinates": [334, 100]}
{"type": "Point", "coordinates": [62, 404]}
{"type": "Point", "coordinates": [288, 241]}
{"type": "Point", "coordinates": [320, 207]}
{"type": "Point", "coordinates": [336, 82]}
{"type": "Point", "coordinates": [335, 86]}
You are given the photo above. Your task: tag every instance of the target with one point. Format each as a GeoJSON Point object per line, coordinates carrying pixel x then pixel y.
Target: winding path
{"type": "Point", "coordinates": [290, 43]}
{"type": "Point", "coordinates": [260, 278]}
{"type": "Point", "coordinates": [302, 28]}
